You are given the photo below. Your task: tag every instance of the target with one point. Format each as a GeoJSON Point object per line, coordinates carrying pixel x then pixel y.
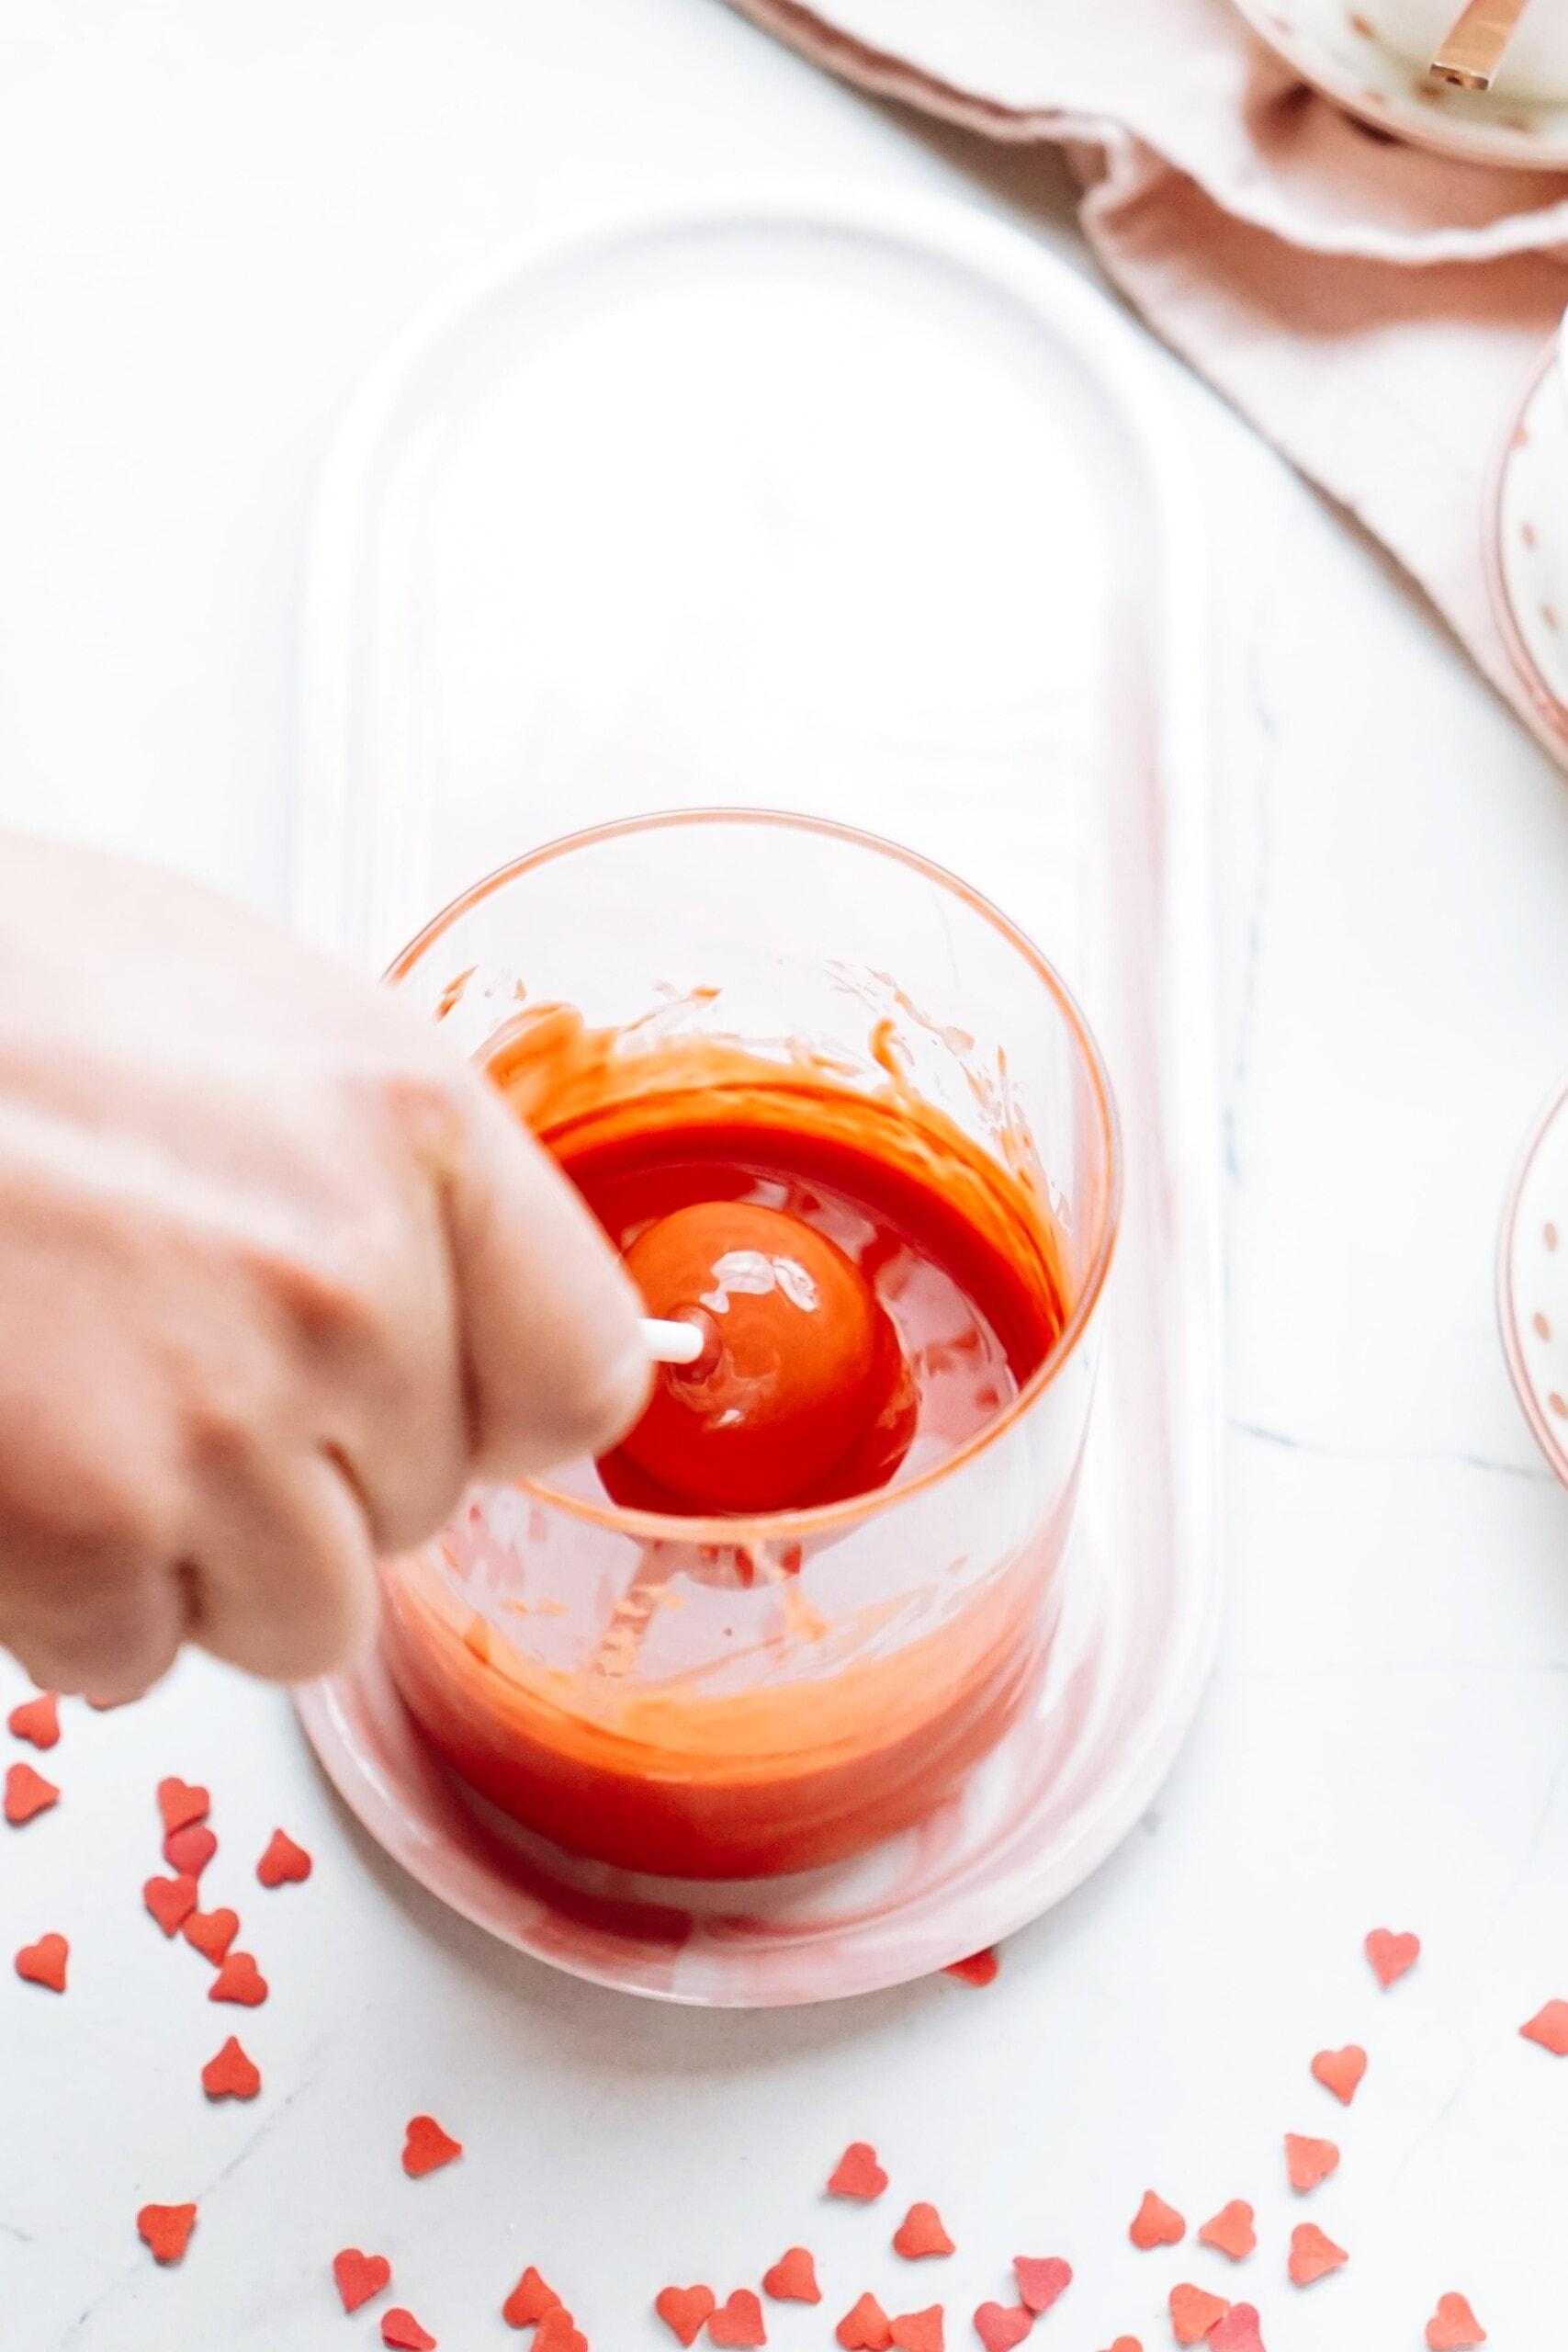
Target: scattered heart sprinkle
{"type": "Point", "coordinates": [1231, 2231]}
{"type": "Point", "coordinates": [1194, 2313]}
{"type": "Point", "coordinates": [190, 1850]}
{"type": "Point", "coordinates": [1239, 2331]}
{"type": "Point", "coordinates": [1313, 2255]}
{"type": "Point", "coordinates": [180, 1805]}
{"type": "Point", "coordinates": [27, 1793]}
{"type": "Point", "coordinates": [1001, 2326]}
{"type": "Point", "coordinates": [1155, 2223]}
{"type": "Point", "coordinates": [980, 1969]}
{"type": "Point", "coordinates": [37, 1720]}
{"type": "Point", "coordinates": [283, 1861]}
{"type": "Point", "coordinates": [1391, 1955]}
{"type": "Point", "coordinates": [558, 2332]}
{"type": "Point", "coordinates": [232, 2075]}
{"type": "Point", "coordinates": [1550, 2028]}
{"type": "Point", "coordinates": [211, 1933]}
{"type": "Point", "coordinates": [167, 2229]}
{"type": "Point", "coordinates": [921, 2234]}
{"type": "Point", "coordinates": [1039, 2281]}
{"type": "Point", "coordinates": [359, 2275]}
{"type": "Point", "coordinates": [683, 2310]}
{"type": "Point", "coordinates": [857, 2174]}
{"type": "Point", "coordinates": [427, 2147]}
{"type": "Point", "coordinates": [402, 2332]}
{"type": "Point", "coordinates": [1453, 2326]}
{"type": "Point", "coordinates": [44, 1963]}
{"type": "Point", "coordinates": [529, 2301]}
{"type": "Point", "coordinates": [1126, 2343]}
{"type": "Point", "coordinates": [737, 2321]}
{"type": "Point", "coordinates": [171, 1901]}
{"type": "Point", "coordinates": [866, 2328]}
{"type": "Point", "coordinates": [239, 1979]}
{"type": "Point", "coordinates": [920, 2331]}
{"type": "Point", "coordinates": [1340, 2071]}
{"type": "Point", "coordinates": [1309, 2161]}
{"type": "Point", "coordinates": [793, 2279]}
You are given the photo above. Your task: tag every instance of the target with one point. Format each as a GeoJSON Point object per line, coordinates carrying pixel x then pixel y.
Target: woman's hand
{"type": "Point", "coordinates": [278, 1273]}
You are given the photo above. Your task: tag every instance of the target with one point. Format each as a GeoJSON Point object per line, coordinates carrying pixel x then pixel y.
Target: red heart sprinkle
{"type": "Point", "coordinates": [1231, 2231]}
{"type": "Point", "coordinates": [1391, 1955]}
{"type": "Point", "coordinates": [1313, 2255]}
{"type": "Point", "coordinates": [1453, 2326]}
{"type": "Point", "coordinates": [427, 2147]}
{"type": "Point", "coordinates": [232, 2076]}
{"type": "Point", "coordinates": [1155, 2223]}
{"type": "Point", "coordinates": [857, 2174]}
{"type": "Point", "coordinates": [920, 2234]}
{"type": "Point", "coordinates": [529, 2301]}
{"type": "Point", "coordinates": [1193, 2311]}
{"type": "Point", "coordinates": [1239, 2331]}
{"type": "Point", "coordinates": [26, 1794]}
{"type": "Point", "coordinates": [558, 2332]}
{"type": "Point", "coordinates": [180, 1803]}
{"type": "Point", "coordinates": [37, 1719]}
{"type": "Point", "coordinates": [1340, 2071]}
{"type": "Point", "coordinates": [980, 1969]}
{"type": "Point", "coordinates": [190, 1850]}
{"type": "Point", "coordinates": [1039, 2282]}
{"type": "Point", "coordinates": [1126, 2343]}
{"type": "Point", "coordinates": [402, 2332]}
{"type": "Point", "coordinates": [166, 2229]}
{"type": "Point", "coordinates": [282, 1861]}
{"type": "Point", "coordinates": [359, 2275]}
{"type": "Point", "coordinates": [683, 2310]}
{"type": "Point", "coordinates": [1550, 2028]}
{"type": "Point", "coordinates": [867, 2328]}
{"type": "Point", "coordinates": [920, 2331]}
{"type": "Point", "coordinates": [211, 1933]}
{"type": "Point", "coordinates": [1308, 2161]}
{"type": "Point", "coordinates": [239, 1979]}
{"type": "Point", "coordinates": [793, 2279]}
{"type": "Point", "coordinates": [44, 1963]}
{"type": "Point", "coordinates": [740, 2321]}
{"type": "Point", "coordinates": [1001, 2326]}
{"type": "Point", "coordinates": [171, 1901]}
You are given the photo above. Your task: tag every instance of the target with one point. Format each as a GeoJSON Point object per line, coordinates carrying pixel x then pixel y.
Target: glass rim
{"type": "Point", "coordinates": [825, 1518]}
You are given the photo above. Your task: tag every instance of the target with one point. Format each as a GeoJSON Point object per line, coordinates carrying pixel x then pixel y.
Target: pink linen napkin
{"type": "Point", "coordinates": [1375, 310]}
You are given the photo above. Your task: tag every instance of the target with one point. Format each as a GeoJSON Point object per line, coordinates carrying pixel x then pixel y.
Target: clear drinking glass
{"type": "Point", "coordinates": [715, 1697]}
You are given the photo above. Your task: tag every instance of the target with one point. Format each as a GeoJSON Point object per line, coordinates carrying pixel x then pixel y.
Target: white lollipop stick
{"type": "Point", "coordinates": [672, 1342]}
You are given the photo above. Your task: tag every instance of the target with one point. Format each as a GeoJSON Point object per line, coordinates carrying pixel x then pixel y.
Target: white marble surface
{"type": "Point", "coordinates": [212, 218]}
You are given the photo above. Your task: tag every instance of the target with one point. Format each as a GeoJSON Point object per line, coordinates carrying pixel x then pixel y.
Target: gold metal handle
{"type": "Point", "coordinates": [1473, 50]}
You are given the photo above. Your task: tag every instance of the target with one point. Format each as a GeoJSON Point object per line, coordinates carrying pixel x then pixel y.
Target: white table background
{"type": "Point", "coordinates": [211, 220]}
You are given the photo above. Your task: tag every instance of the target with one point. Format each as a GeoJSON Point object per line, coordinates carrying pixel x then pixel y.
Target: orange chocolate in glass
{"type": "Point", "coordinates": [875, 1290]}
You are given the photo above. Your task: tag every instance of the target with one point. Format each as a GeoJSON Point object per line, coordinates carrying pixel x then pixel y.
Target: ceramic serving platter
{"type": "Point", "coordinates": [1532, 1283]}
{"type": "Point", "coordinates": [1527, 543]}
{"type": "Point", "coordinates": [867, 508]}
{"type": "Point", "coordinates": [1369, 56]}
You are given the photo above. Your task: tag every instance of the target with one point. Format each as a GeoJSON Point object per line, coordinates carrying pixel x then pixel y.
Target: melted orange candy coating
{"type": "Point", "coordinates": [937, 1272]}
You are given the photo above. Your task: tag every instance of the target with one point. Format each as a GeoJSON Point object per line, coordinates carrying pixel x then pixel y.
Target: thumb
{"type": "Point", "coordinates": [556, 1361]}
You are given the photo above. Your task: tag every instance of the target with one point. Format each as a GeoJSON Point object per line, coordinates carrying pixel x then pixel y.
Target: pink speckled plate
{"type": "Point", "coordinates": [1532, 1283]}
{"type": "Point", "coordinates": [857, 423]}
{"type": "Point", "coordinates": [1370, 57]}
{"type": "Point", "coordinates": [1527, 543]}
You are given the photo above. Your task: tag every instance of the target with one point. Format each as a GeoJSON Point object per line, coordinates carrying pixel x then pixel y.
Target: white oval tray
{"type": "Point", "coordinates": [868, 509]}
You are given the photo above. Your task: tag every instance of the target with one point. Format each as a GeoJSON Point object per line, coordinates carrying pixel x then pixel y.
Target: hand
{"type": "Point", "coordinates": [279, 1275]}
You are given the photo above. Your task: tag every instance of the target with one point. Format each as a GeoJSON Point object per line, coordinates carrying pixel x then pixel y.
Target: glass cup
{"type": "Point", "coordinates": [719, 1697]}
